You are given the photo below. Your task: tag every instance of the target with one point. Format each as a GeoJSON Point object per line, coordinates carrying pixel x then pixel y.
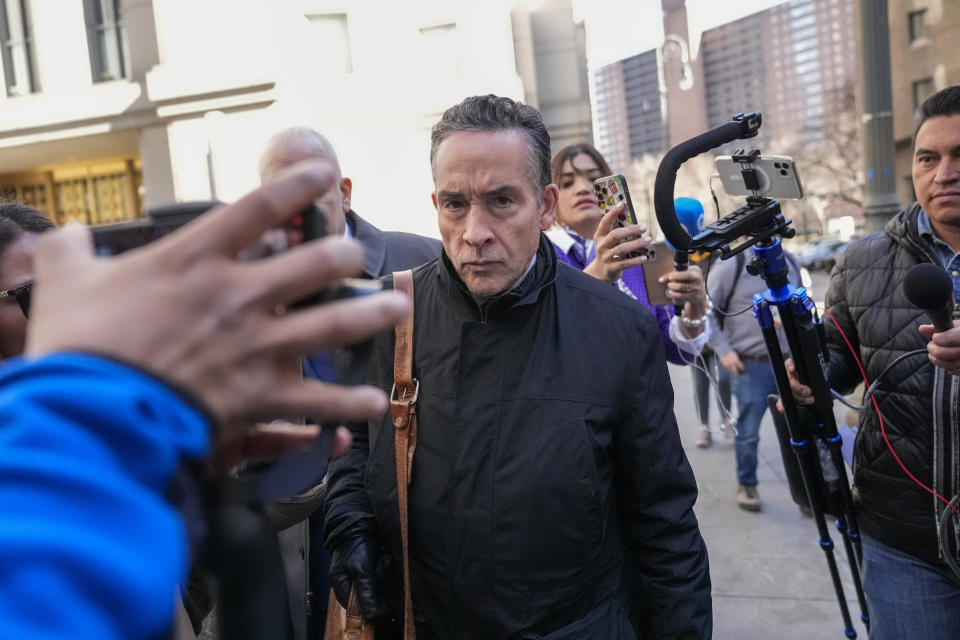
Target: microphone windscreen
{"type": "Point", "coordinates": [928, 286]}
{"type": "Point", "coordinates": [690, 215]}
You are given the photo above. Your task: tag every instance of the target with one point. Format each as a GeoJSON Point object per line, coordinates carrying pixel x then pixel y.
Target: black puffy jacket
{"type": "Point", "coordinates": [867, 299]}
{"type": "Point", "coordinates": [548, 468]}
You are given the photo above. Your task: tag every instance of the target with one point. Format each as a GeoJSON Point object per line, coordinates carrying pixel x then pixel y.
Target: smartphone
{"type": "Point", "coordinates": [659, 263]}
{"type": "Point", "coordinates": [113, 239]}
{"type": "Point", "coordinates": [767, 176]}
{"type": "Point", "coordinates": [612, 191]}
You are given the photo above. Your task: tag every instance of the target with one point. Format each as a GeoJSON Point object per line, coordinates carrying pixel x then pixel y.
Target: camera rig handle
{"type": "Point", "coordinates": [743, 125]}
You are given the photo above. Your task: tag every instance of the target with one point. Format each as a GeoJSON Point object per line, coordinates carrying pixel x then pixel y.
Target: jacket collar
{"type": "Point", "coordinates": [374, 244]}
{"type": "Point", "coordinates": [904, 228]}
{"type": "Point", "coordinates": [527, 291]}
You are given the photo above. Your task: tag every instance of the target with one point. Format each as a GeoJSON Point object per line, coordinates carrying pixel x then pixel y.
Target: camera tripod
{"type": "Point", "coordinates": [813, 431]}
{"type": "Point", "coordinates": [824, 477]}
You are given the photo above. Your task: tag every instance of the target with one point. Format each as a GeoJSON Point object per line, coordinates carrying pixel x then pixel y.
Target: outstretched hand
{"type": "Point", "coordinates": [187, 310]}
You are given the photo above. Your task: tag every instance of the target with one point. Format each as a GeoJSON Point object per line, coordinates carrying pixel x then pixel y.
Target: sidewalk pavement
{"type": "Point", "coordinates": [770, 576]}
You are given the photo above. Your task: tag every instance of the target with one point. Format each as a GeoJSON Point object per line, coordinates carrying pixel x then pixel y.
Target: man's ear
{"type": "Point", "coordinates": [346, 190]}
{"type": "Point", "coordinates": [551, 195]}
{"type": "Point", "coordinates": [436, 205]}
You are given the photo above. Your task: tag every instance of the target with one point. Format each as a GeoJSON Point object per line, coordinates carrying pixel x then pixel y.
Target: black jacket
{"type": "Point", "coordinates": [548, 464]}
{"type": "Point", "coordinates": [867, 299]}
{"type": "Point", "coordinates": [389, 251]}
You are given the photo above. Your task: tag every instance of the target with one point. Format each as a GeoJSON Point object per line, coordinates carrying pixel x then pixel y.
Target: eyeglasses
{"type": "Point", "coordinates": [22, 295]}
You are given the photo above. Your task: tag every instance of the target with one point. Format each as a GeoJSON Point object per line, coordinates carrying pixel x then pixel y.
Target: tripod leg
{"type": "Point", "coordinates": [807, 456]}
{"type": "Point", "coordinates": [810, 468]}
{"type": "Point", "coordinates": [802, 330]}
{"type": "Point", "coordinates": [810, 371]}
{"type": "Point", "coordinates": [848, 543]}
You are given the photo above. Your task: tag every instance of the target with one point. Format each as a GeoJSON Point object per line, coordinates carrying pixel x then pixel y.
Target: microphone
{"type": "Point", "coordinates": [929, 287]}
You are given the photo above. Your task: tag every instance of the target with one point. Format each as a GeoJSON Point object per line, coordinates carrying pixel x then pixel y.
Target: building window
{"type": "Point", "coordinates": [332, 36]}
{"type": "Point", "coordinates": [440, 50]}
{"type": "Point", "coordinates": [17, 47]}
{"type": "Point", "coordinates": [106, 39]}
{"type": "Point", "coordinates": [918, 24]}
{"type": "Point", "coordinates": [922, 89]}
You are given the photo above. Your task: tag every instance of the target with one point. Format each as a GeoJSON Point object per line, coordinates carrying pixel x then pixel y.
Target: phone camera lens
{"type": "Point", "coordinates": [620, 197]}
{"type": "Point", "coordinates": [776, 165]}
{"type": "Point", "coordinates": [604, 190]}
{"type": "Point", "coordinates": [783, 172]}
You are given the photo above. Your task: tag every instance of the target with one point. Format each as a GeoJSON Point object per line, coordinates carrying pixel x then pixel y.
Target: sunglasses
{"type": "Point", "coordinates": [22, 295]}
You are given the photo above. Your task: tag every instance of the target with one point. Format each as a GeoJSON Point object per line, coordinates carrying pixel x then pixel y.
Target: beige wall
{"type": "Point", "coordinates": [211, 81]}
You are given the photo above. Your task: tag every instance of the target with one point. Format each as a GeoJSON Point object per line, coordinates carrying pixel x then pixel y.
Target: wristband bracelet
{"type": "Point", "coordinates": [694, 324]}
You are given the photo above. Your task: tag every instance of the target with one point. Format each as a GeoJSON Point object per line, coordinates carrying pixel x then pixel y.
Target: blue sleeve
{"type": "Point", "coordinates": [89, 548]}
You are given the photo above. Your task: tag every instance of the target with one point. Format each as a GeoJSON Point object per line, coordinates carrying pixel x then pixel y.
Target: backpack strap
{"type": "Point", "coordinates": [741, 260]}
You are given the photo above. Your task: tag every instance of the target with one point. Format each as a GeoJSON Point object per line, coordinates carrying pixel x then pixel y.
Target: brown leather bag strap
{"type": "Point", "coordinates": [403, 411]}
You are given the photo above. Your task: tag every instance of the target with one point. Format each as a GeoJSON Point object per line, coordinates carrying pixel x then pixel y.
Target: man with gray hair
{"type": "Point", "coordinates": [549, 496]}
{"type": "Point", "coordinates": [387, 251]}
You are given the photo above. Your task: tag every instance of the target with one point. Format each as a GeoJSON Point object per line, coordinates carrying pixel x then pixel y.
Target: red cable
{"type": "Point", "coordinates": [883, 430]}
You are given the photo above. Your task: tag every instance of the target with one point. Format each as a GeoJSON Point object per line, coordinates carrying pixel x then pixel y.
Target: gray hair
{"type": "Point", "coordinates": [302, 143]}
{"type": "Point", "coordinates": [495, 113]}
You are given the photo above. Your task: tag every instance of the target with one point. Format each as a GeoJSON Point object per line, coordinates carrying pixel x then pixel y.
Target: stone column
{"type": "Point", "coordinates": [880, 202]}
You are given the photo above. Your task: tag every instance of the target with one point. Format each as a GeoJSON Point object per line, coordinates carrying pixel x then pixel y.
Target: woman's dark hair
{"type": "Point", "coordinates": [17, 219]}
{"type": "Point", "coordinates": [571, 152]}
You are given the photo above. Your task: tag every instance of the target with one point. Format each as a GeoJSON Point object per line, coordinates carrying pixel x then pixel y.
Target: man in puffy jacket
{"type": "Point", "coordinates": [550, 496]}
{"type": "Point", "coordinates": [910, 591]}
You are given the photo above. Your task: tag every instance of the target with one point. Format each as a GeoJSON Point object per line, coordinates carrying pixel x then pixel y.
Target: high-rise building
{"type": "Point", "coordinates": [629, 119]}
{"type": "Point", "coordinates": [610, 124]}
{"type": "Point", "coordinates": [793, 62]}
{"type": "Point", "coordinates": [735, 62]}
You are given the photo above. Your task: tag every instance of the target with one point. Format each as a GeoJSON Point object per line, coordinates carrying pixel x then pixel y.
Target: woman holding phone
{"type": "Point", "coordinates": [585, 237]}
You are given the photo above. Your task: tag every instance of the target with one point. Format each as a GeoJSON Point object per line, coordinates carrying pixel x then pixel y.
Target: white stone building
{"type": "Point", "coordinates": [114, 106]}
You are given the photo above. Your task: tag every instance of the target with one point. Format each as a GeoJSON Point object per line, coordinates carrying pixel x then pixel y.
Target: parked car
{"type": "Point", "coordinates": [824, 256]}
{"type": "Point", "coordinates": [831, 259]}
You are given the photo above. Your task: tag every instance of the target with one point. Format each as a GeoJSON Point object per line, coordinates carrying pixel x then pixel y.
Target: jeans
{"type": "Point", "coordinates": [702, 386]}
{"type": "Point", "coordinates": [751, 389]}
{"type": "Point", "coordinates": [908, 599]}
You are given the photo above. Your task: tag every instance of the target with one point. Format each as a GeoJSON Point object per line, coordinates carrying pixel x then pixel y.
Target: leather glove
{"type": "Point", "coordinates": [361, 562]}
